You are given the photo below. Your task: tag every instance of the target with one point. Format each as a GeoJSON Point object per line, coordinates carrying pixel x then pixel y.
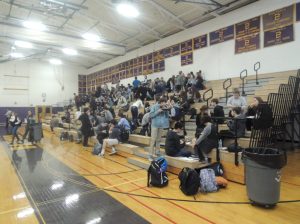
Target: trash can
{"type": "Point", "coordinates": [263, 173]}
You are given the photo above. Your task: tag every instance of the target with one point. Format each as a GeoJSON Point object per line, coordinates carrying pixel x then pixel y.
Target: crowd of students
{"type": "Point", "coordinates": [98, 114]}
{"type": "Point", "coordinates": [173, 100]}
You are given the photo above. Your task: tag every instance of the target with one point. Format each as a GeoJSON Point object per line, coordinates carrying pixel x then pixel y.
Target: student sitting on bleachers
{"type": "Point", "coordinates": [259, 115]}
{"type": "Point", "coordinates": [207, 140]}
{"type": "Point", "coordinates": [218, 111]}
{"type": "Point", "coordinates": [123, 121]}
{"type": "Point", "coordinates": [237, 126]}
{"type": "Point", "coordinates": [237, 101]}
{"type": "Point", "coordinates": [113, 139]}
{"type": "Point", "coordinates": [174, 146]}
{"type": "Point", "coordinates": [122, 102]}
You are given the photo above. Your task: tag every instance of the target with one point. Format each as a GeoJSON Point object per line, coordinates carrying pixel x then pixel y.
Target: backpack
{"type": "Point", "coordinates": [157, 176]}
{"type": "Point", "coordinates": [189, 181]}
{"type": "Point", "coordinates": [97, 149]}
{"type": "Point", "coordinates": [64, 136]}
{"type": "Point", "coordinates": [124, 134]}
{"type": "Point", "coordinates": [178, 114]}
{"type": "Point", "coordinates": [232, 148]}
{"type": "Point", "coordinates": [207, 181]}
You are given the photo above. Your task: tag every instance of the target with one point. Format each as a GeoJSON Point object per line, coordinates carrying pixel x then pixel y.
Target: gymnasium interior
{"type": "Point", "coordinates": [149, 111]}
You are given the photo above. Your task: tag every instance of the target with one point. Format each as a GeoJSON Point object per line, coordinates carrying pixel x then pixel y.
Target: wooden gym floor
{"type": "Point", "coordinates": [59, 182]}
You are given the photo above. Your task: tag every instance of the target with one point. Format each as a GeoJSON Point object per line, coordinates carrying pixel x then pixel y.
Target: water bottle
{"type": "Point", "coordinates": [220, 146]}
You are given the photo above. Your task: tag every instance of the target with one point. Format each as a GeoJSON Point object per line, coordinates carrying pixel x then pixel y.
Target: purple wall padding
{"type": "Point", "coordinates": [22, 111]}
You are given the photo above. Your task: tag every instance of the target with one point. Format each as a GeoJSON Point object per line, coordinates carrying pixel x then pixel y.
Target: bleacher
{"type": "Point", "coordinates": [136, 150]}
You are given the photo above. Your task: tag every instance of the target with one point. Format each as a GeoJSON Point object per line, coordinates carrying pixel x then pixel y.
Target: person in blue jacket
{"type": "Point", "coordinates": [159, 114]}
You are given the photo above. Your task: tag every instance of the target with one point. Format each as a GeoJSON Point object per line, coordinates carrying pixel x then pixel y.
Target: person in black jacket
{"type": "Point", "coordinates": [174, 146]}
{"type": "Point", "coordinates": [218, 111]}
{"type": "Point", "coordinates": [86, 127]}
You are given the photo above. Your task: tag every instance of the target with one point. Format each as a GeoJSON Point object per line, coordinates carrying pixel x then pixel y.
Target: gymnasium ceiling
{"type": "Point", "coordinates": [67, 20]}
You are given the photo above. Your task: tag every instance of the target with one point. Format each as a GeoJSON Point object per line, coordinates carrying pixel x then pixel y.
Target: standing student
{"type": "Point", "coordinates": [29, 122]}
{"type": "Point", "coordinates": [86, 126]}
{"type": "Point", "coordinates": [135, 109]}
{"type": "Point", "coordinates": [15, 123]}
{"type": "Point", "coordinates": [7, 117]}
{"type": "Point", "coordinates": [159, 115]}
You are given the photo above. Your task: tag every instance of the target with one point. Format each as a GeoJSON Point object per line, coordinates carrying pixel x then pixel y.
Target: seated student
{"type": "Point", "coordinates": [122, 103]}
{"type": "Point", "coordinates": [259, 115]}
{"type": "Point", "coordinates": [237, 101]}
{"type": "Point", "coordinates": [174, 146]}
{"type": "Point", "coordinates": [123, 121]}
{"type": "Point", "coordinates": [218, 111]}
{"type": "Point", "coordinates": [237, 126]}
{"type": "Point", "coordinates": [113, 138]}
{"type": "Point", "coordinates": [207, 140]}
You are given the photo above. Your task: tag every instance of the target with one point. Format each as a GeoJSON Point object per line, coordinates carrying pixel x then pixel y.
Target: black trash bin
{"type": "Point", "coordinates": [263, 173]}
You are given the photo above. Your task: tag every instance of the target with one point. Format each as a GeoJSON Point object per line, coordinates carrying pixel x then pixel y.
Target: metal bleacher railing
{"type": "Point", "coordinates": [256, 68]}
{"type": "Point", "coordinates": [207, 98]}
{"type": "Point", "coordinates": [226, 85]}
{"type": "Point", "coordinates": [284, 104]}
{"type": "Point", "coordinates": [243, 76]}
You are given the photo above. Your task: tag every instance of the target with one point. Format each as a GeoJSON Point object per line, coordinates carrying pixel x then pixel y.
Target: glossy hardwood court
{"type": "Point", "coordinates": [110, 182]}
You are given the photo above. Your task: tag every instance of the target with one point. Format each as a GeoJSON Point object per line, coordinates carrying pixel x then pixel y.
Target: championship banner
{"type": "Point", "coordinates": [247, 27]}
{"type": "Point", "coordinates": [186, 46]}
{"type": "Point", "coordinates": [172, 51]}
{"type": "Point", "coordinates": [187, 59]}
{"type": "Point", "coordinates": [278, 18]}
{"type": "Point", "coordinates": [298, 11]}
{"type": "Point", "coordinates": [278, 26]}
{"type": "Point", "coordinates": [158, 56]}
{"type": "Point", "coordinates": [247, 35]}
{"type": "Point", "coordinates": [159, 66]}
{"type": "Point", "coordinates": [247, 43]}
{"type": "Point", "coordinates": [279, 36]}
{"type": "Point", "coordinates": [200, 42]}
{"type": "Point", "coordinates": [221, 35]}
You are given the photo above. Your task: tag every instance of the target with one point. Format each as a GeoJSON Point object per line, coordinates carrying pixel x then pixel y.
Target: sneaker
{"type": "Point", "coordinates": [101, 155]}
{"type": "Point", "coordinates": [113, 151]}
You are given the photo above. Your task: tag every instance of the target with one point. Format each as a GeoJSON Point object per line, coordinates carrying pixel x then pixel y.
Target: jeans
{"type": "Point", "coordinates": [135, 113]}
{"type": "Point", "coordinates": [155, 140]}
{"type": "Point", "coordinates": [15, 133]}
{"type": "Point", "coordinates": [183, 153]}
{"type": "Point", "coordinates": [26, 132]}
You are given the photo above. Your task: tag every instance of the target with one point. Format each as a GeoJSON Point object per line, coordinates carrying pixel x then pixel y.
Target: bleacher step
{"type": "Point", "coordinates": [144, 140]}
{"type": "Point", "coordinates": [139, 162]}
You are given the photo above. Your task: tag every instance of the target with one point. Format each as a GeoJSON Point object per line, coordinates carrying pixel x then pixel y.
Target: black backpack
{"type": "Point", "coordinates": [124, 134]}
{"type": "Point", "coordinates": [157, 175]}
{"type": "Point", "coordinates": [189, 181]}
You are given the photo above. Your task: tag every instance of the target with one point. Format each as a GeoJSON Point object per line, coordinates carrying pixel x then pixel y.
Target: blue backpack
{"type": "Point", "coordinates": [208, 181]}
{"type": "Point", "coordinates": [97, 149]}
{"type": "Point", "coordinates": [157, 175]}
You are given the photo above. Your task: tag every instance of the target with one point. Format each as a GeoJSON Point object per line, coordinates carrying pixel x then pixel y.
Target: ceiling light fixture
{"type": "Point", "coordinates": [16, 55]}
{"type": "Point", "coordinates": [34, 25]}
{"type": "Point", "coordinates": [127, 10]}
{"type": "Point", "coordinates": [23, 44]}
{"type": "Point", "coordinates": [69, 51]}
{"type": "Point", "coordinates": [91, 37]}
{"type": "Point", "coordinates": [55, 61]}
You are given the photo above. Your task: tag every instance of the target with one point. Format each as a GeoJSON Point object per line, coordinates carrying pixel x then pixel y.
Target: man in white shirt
{"type": "Point", "coordinates": [135, 109]}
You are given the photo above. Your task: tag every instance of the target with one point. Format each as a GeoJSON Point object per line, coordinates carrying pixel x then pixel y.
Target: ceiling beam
{"type": "Point", "coordinates": [180, 23]}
